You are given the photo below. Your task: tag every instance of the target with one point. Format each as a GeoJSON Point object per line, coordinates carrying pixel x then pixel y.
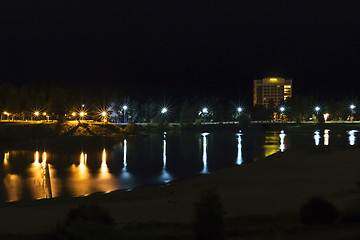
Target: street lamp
{"type": "Point", "coordinates": [164, 110]}
{"type": "Point", "coordinates": [239, 109]}
{"type": "Point", "coordinates": [205, 110]}
{"type": "Point", "coordinates": [317, 109]}
{"type": "Point", "coordinates": [282, 109]}
{"type": "Point", "coordinates": [352, 111]}
{"type": "Point", "coordinates": [125, 108]}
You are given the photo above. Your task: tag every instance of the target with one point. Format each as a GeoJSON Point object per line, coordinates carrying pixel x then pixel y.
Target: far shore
{"type": "Point", "coordinates": [275, 186]}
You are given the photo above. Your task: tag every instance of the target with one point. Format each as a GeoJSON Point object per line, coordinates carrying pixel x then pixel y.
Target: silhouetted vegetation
{"type": "Point", "coordinates": [318, 211]}
{"type": "Point", "coordinates": [209, 214]}
{"type": "Point", "coordinates": [87, 222]}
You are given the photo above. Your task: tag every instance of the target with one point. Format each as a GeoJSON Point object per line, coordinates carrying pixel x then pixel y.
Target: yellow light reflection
{"type": "Point", "coordinates": [39, 181]}
{"type": "Point", "coordinates": [271, 143]}
{"type": "Point", "coordinates": [13, 186]}
{"type": "Point", "coordinates": [36, 158]}
{"type": "Point", "coordinates": [6, 158]}
{"type": "Point", "coordinates": [83, 170]}
{"type": "Point", "coordinates": [43, 163]}
{"type": "Point", "coordinates": [326, 137]}
{"type": "Point", "coordinates": [104, 170]}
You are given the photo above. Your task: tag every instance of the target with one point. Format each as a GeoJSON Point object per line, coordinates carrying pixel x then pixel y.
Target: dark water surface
{"type": "Point", "coordinates": [153, 159]}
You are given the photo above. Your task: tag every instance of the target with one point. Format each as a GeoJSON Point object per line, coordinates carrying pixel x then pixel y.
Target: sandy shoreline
{"type": "Point", "coordinates": [278, 184]}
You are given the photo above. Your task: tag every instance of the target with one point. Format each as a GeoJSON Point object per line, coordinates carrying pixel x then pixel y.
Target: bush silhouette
{"type": "Point", "coordinates": [87, 222]}
{"type": "Point", "coordinates": [318, 211]}
{"type": "Point", "coordinates": [208, 219]}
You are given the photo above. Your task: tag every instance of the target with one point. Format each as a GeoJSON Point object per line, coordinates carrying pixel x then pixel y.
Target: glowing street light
{"type": "Point", "coordinates": [36, 113]}
{"type": "Point", "coordinates": [239, 109]}
{"type": "Point", "coordinates": [73, 114]}
{"type": "Point", "coordinates": [44, 114]}
{"type": "Point", "coordinates": [326, 116]}
{"type": "Point", "coordinates": [205, 110]}
{"type": "Point", "coordinates": [104, 114]}
{"type": "Point", "coordinates": [317, 109]}
{"type": "Point", "coordinates": [164, 110]}
{"type": "Point", "coordinates": [125, 108]}
{"type": "Point", "coordinates": [282, 109]}
{"type": "Point", "coordinates": [352, 106]}
{"type": "Point", "coordinates": [82, 114]}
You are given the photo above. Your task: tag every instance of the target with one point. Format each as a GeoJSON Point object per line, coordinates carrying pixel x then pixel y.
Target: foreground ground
{"type": "Point", "coordinates": [261, 201]}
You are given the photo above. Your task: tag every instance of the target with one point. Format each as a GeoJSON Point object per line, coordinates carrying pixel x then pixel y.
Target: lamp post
{"type": "Point", "coordinates": [282, 110]}
{"type": "Point", "coordinates": [352, 111]}
{"type": "Point", "coordinates": [125, 108]}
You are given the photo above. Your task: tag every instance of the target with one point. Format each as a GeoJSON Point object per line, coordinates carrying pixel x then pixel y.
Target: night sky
{"type": "Point", "coordinates": [183, 47]}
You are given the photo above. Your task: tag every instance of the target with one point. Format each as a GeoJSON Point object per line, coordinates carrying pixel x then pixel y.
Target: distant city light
{"type": "Point", "coordinates": [326, 116]}
{"type": "Point", "coordinates": [352, 106]}
{"type": "Point", "coordinates": [239, 109]}
{"type": "Point", "coordinates": [317, 108]}
{"type": "Point", "coordinates": [125, 107]}
{"type": "Point", "coordinates": [73, 114]}
{"type": "Point", "coordinates": [282, 109]}
{"type": "Point", "coordinates": [82, 114]}
{"type": "Point", "coordinates": [205, 110]}
{"type": "Point", "coordinates": [44, 113]}
{"type": "Point", "coordinates": [36, 113]}
{"type": "Point", "coordinates": [164, 110]}
{"type": "Point", "coordinates": [104, 114]}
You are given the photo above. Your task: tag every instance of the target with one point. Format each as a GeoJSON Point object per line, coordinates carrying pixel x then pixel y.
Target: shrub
{"type": "Point", "coordinates": [87, 222]}
{"type": "Point", "coordinates": [208, 219]}
{"type": "Point", "coordinates": [131, 128]}
{"type": "Point", "coordinates": [318, 211]}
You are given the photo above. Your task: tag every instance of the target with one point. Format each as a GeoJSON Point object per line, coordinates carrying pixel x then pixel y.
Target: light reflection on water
{"type": "Point", "coordinates": [239, 159]}
{"type": "Point", "coordinates": [352, 137]}
{"type": "Point", "coordinates": [204, 155]}
{"type": "Point", "coordinates": [282, 141]}
{"type": "Point", "coordinates": [162, 158]}
{"type": "Point", "coordinates": [317, 137]}
{"type": "Point", "coordinates": [326, 137]}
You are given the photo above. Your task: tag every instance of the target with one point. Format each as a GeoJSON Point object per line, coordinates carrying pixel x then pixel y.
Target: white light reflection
{"type": "Point", "coordinates": [205, 169]}
{"type": "Point", "coordinates": [326, 137]}
{"type": "Point", "coordinates": [352, 137]}
{"type": "Point", "coordinates": [239, 159]}
{"type": "Point", "coordinates": [165, 176]}
{"type": "Point", "coordinates": [164, 150]}
{"type": "Point", "coordinates": [317, 138]}
{"type": "Point", "coordinates": [125, 153]}
{"type": "Point", "coordinates": [282, 142]}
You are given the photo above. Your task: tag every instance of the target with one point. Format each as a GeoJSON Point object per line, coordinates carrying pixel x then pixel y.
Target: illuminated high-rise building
{"type": "Point", "coordinates": [275, 90]}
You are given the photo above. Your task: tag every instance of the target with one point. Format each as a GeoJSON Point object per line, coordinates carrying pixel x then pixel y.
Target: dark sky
{"type": "Point", "coordinates": [185, 47]}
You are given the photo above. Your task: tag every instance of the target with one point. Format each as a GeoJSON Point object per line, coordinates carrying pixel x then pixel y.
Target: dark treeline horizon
{"type": "Point", "coordinates": [22, 101]}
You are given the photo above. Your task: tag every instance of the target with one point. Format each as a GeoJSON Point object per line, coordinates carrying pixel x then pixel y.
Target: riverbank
{"type": "Point", "coordinates": [260, 199]}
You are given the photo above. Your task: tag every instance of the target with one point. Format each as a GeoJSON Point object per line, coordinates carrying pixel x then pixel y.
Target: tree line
{"type": "Point", "coordinates": [20, 102]}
